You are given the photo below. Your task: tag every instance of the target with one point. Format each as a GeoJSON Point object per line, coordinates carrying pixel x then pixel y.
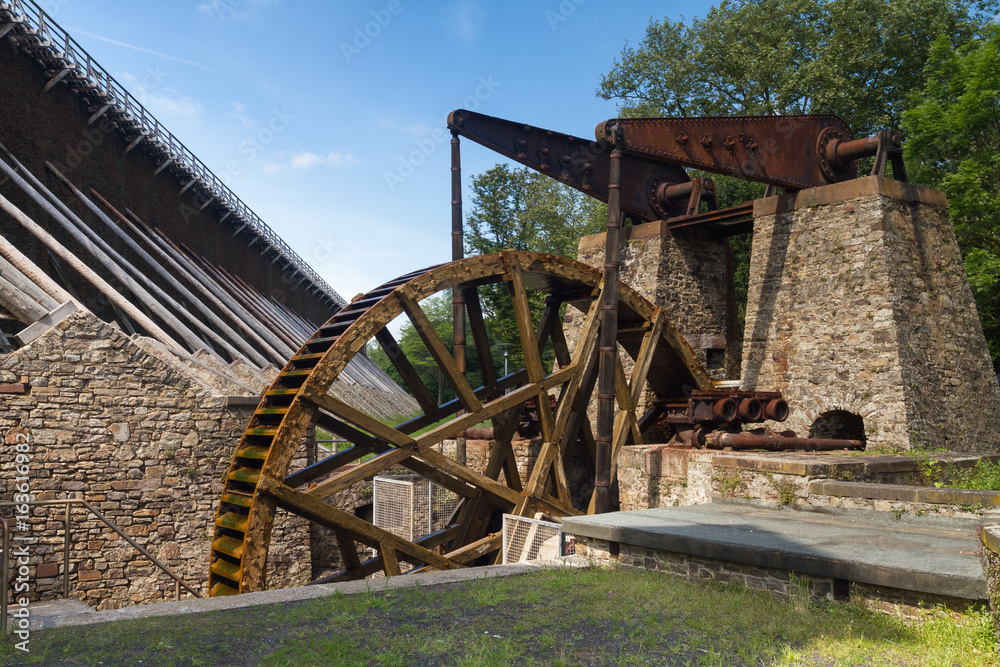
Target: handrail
{"type": "Point", "coordinates": [50, 44]}
{"type": "Point", "coordinates": [69, 502]}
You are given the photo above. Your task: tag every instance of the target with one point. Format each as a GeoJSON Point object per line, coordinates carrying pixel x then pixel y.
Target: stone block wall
{"type": "Point", "coordinates": [860, 312]}
{"type": "Point", "coordinates": [690, 275]}
{"type": "Point", "coordinates": [142, 441]}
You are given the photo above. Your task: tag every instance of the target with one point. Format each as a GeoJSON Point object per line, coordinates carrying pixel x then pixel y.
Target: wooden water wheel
{"type": "Point", "coordinates": [260, 479]}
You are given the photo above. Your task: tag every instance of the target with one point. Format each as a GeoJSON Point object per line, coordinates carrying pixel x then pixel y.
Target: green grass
{"type": "Point", "coordinates": [554, 618]}
{"type": "Point", "coordinates": [985, 475]}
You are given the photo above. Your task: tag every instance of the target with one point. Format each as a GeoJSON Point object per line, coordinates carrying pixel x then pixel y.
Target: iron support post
{"type": "Point", "coordinates": [457, 253]}
{"type": "Point", "coordinates": [609, 333]}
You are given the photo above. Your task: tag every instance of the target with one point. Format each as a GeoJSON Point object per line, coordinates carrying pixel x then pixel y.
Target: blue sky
{"type": "Point", "coordinates": [307, 108]}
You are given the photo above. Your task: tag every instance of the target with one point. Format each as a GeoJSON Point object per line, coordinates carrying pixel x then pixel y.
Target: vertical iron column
{"type": "Point", "coordinates": [609, 333]}
{"type": "Point", "coordinates": [457, 253]}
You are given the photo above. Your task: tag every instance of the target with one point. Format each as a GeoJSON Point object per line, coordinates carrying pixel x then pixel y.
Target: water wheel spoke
{"type": "Point", "coordinates": [529, 344]}
{"type": "Point", "coordinates": [444, 359]}
{"type": "Point", "coordinates": [260, 478]}
{"type": "Point", "coordinates": [314, 509]}
{"type": "Point", "coordinates": [354, 416]}
{"type": "Point", "coordinates": [584, 347]}
{"type": "Point", "coordinates": [405, 369]}
{"type": "Point", "coordinates": [481, 341]}
{"type": "Point", "coordinates": [390, 564]}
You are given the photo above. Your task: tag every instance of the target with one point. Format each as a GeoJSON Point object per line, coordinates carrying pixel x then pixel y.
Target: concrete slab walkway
{"type": "Point", "coordinates": [936, 556]}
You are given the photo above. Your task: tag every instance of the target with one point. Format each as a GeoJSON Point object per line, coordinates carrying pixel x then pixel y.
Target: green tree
{"type": "Point", "coordinates": [953, 143]}
{"type": "Point", "coordinates": [520, 209]}
{"type": "Point", "coordinates": [858, 59]}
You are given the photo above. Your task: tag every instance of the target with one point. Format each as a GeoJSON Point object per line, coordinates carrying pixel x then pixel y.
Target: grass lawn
{"type": "Point", "coordinates": [556, 618]}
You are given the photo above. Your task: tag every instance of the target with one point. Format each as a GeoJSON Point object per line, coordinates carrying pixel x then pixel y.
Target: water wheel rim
{"type": "Point", "coordinates": [242, 532]}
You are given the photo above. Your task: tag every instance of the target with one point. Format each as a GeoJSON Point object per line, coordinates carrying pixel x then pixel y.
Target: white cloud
{"type": "Point", "coordinates": [466, 21]}
{"type": "Point", "coordinates": [417, 130]}
{"type": "Point", "coordinates": [304, 160]}
{"type": "Point", "coordinates": [133, 47]}
{"type": "Point", "coordinates": [161, 101]}
{"type": "Point", "coordinates": [239, 111]}
{"type": "Point", "coordinates": [234, 9]}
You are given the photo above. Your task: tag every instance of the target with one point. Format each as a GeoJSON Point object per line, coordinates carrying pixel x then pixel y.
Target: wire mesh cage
{"type": "Point", "coordinates": [410, 506]}
{"type": "Point", "coordinates": [527, 539]}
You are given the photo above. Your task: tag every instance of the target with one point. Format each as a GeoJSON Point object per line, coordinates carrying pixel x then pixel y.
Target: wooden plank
{"type": "Point", "coordinates": [406, 370]}
{"type": "Point", "coordinates": [481, 341]}
{"type": "Point", "coordinates": [314, 509]}
{"type": "Point", "coordinates": [432, 437]}
{"type": "Point", "coordinates": [470, 552]}
{"type": "Point", "coordinates": [348, 550]}
{"type": "Point", "coordinates": [471, 476]}
{"type": "Point", "coordinates": [354, 416]}
{"type": "Point", "coordinates": [369, 444]}
{"type": "Point", "coordinates": [390, 564]}
{"type": "Point", "coordinates": [438, 350]}
{"type": "Point", "coordinates": [581, 353]}
{"type": "Point", "coordinates": [529, 345]}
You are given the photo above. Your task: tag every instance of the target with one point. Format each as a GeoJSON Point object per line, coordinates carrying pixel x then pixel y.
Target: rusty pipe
{"type": "Point", "coordinates": [751, 410]}
{"type": "Point", "coordinates": [477, 434]}
{"type": "Point", "coordinates": [776, 410]}
{"type": "Point", "coordinates": [842, 152]}
{"type": "Point", "coordinates": [725, 410]}
{"type": "Point", "coordinates": [771, 441]}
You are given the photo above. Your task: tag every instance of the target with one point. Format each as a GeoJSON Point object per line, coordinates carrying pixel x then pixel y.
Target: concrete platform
{"type": "Point", "coordinates": [928, 555]}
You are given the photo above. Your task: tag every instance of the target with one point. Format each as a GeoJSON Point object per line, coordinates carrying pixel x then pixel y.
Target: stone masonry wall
{"type": "Point", "coordinates": [142, 442]}
{"type": "Point", "coordinates": [858, 302]}
{"type": "Point", "coordinates": [691, 276]}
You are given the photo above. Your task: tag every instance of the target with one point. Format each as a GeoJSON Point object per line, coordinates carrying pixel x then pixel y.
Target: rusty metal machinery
{"type": "Point", "coordinates": [792, 152]}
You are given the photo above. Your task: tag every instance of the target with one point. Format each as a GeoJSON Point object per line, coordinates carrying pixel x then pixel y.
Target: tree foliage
{"type": "Point", "coordinates": [520, 209]}
{"type": "Point", "coordinates": [953, 143]}
{"type": "Point", "coordinates": [859, 59]}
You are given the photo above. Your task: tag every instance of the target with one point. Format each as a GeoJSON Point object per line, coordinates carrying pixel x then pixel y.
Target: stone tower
{"type": "Point", "coordinates": [860, 311]}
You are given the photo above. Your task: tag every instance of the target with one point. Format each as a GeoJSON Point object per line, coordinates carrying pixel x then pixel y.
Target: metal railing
{"type": "Point", "coordinates": [69, 502]}
{"type": "Point", "coordinates": [35, 31]}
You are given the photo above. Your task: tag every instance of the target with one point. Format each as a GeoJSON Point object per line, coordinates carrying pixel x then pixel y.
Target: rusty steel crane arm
{"type": "Point", "coordinates": [789, 151]}
{"type": "Point", "coordinates": [582, 164]}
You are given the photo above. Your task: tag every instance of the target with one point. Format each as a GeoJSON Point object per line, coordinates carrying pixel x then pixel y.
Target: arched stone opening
{"type": "Point", "coordinates": [839, 425]}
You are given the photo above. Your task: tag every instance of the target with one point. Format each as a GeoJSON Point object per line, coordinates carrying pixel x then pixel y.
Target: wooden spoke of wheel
{"type": "Point", "coordinates": [265, 473]}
